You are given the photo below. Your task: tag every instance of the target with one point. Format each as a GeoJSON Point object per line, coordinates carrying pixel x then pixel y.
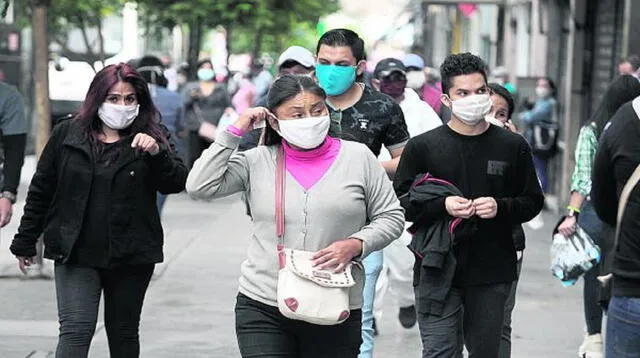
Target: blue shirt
{"type": "Point", "coordinates": [170, 106]}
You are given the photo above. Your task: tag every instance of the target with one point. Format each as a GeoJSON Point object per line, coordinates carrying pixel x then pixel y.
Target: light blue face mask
{"type": "Point", "coordinates": [335, 80]}
{"type": "Point", "coordinates": [206, 74]}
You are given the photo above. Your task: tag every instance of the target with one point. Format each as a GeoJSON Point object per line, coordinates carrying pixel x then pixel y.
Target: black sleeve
{"type": "Point", "coordinates": [13, 160]}
{"type": "Point", "coordinates": [169, 172]}
{"type": "Point", "coordinates": [603, 183]}
{"type": "Point", "coordinates": [528, 200]}
{"type": "Point", "coordinates": [39, 197]}
{"type": "Point", "coordinates": [397, 133]}
{"type": "Point", "coordinates": [412, 164]}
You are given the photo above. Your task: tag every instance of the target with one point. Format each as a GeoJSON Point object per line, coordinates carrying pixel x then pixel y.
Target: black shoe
{"type": "Point", "coordinates": [375, 328]}
{"type": "Point", "coordinates": [407, 316]}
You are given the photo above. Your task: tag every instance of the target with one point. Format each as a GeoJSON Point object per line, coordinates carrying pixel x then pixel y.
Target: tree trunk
{"type": "Point", "coordinates": [195, 39]}
{"type": "Point", "coordinates": [101, 40]}
{"type": "Point", "coordinates": [85, 37]}
{"type": "Point", "coordinates": [228, 31]}
{"type": "Point", "coordinates": [257, 45]}
{"type": "Point", "coordinates": [41, 74]}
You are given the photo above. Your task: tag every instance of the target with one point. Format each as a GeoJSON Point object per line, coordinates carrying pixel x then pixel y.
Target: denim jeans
{"type": "Point", "coordinates": [472, 316]}
{"type": "Point", "coordinates": [78, 291]}
{"type": "Point", "coordinates": [592, 225]}
{"type": "Point", "coordinates": [372, 269]}
{"type": "Point", "coordinates": [160, 200]}
{"type": "Point", "coordinates": [262, 331]}
{"type": "Point", "coordinates": [623, 328]}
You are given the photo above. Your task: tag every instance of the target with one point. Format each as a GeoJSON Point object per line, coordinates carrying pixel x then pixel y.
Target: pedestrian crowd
{"type": "Point", "coordinates": [407, 179]}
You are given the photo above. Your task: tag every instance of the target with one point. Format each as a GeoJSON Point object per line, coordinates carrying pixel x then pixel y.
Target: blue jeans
{"type": "Point", "coordinates": [78, 291]}
{"type": "Point", "coordinates": [591, 223]}
{"type": "Point", "coordinates": [161, 198]}
{"type": "Point", "coordinates": [623, 328]}
{"type": "Point", "coordinates": [372, 269]}
{"type": "Point", "coordinates": [541, 166]}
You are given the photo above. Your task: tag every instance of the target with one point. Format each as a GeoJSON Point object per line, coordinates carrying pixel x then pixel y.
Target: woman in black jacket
{"type": "Point", "coordinates": [94, 197]}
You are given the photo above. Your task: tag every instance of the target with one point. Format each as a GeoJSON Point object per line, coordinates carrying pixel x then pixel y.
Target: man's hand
{"type": "Point", "coordinates": [486, 208]}
{"type": "Point", "coordinates": [459, 207]}
{"type": "Point", "coordinates": [337, 255]}
{"type": "Point", "coordinates": [24, 262]}
{"type": "Point", "coordinates": [6, 211]}
{"type": "Point", "coordinates": [568, 226]}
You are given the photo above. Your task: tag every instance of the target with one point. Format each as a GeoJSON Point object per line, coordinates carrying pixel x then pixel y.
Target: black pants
{"type": "Point", "coordinates": [196, 145]}
{"type": "Point", "coordinates": [473, 316]}
{"type": "Point", "coordinates": [78, 291]}
{"type": "Point", "coordinates": [264, 332]}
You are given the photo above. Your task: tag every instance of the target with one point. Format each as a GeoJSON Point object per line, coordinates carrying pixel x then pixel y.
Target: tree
{"type": "Point", "coordinates": [66, 15]}
{"type": "Point", "coordinates": [41, 58]}
{"type": "Point", "coordinates": [264, 21]}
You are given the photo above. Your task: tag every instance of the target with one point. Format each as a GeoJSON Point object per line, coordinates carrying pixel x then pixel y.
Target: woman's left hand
{"type": "Point", "coordinates": [146, 143]}
{"type": "Point", "coordinates": [337, 255]}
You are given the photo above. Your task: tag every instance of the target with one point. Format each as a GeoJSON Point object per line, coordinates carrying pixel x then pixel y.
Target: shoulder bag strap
{"type": "Point", "coordinates": [624, 197]}
{"type": "Point", "coordinates": [280, 189]}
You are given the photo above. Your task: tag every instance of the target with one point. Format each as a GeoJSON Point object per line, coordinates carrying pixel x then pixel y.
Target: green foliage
{"type": "Point", "coordinates": [255, 25]}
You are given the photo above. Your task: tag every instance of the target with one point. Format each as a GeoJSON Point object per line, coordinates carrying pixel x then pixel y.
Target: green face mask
{"type": "Point", "coordinates": [335, 80]}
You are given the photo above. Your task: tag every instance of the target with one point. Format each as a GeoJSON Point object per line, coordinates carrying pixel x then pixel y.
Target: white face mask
{"type": "Point", "coordinates": [471, 109]}
{"type": "Point", "coordinates": [416, 79]}
{"type": "Point", "coordinates": [493, 120]}
{"type": "Point", "coordinates": [543, 92]}
{"type": "Point", "coordinates": [116, 116]}
{"type": "Point", "coordinates": [306, 133]}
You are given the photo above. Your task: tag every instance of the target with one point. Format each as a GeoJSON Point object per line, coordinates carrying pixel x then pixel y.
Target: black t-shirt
{"type": "Point", "coordinates": [92, 247]}
{"type": "Point", "coordinates": [617, 157]}
{"type": "Point", "coordinates": [374, 120]}
{"type": "Point", "coordinates": [496, 163]}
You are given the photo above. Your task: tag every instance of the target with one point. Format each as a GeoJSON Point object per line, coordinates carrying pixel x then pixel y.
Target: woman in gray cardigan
{"type": "Point", "coordinates": [339, 204]}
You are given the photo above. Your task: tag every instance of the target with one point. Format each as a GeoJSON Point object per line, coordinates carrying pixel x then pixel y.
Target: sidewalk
{"type": "Point", "coordinates": [189, 308]}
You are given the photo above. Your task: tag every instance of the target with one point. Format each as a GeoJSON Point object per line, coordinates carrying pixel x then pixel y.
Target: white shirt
{"type": "Point", "coordinates": [418, 115]}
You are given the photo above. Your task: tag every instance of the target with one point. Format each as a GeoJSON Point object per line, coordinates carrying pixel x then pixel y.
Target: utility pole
{"type": "Point", "coordinates": [41, 74]}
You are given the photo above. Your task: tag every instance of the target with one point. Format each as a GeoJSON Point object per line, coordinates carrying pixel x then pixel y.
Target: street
{"type": "Point", "coordinates": [189, 308]}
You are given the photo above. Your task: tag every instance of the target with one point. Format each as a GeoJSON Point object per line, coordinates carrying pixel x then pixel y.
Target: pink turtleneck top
{"type": "Point", "coordinates": [309, 166]}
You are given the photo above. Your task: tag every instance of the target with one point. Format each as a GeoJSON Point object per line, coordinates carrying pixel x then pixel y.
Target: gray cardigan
{"type": "Point", "coordinates": [354, 199]}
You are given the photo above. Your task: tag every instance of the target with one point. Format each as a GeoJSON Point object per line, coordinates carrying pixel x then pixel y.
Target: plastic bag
{"type": "Point", "coordinates": [572, 256]}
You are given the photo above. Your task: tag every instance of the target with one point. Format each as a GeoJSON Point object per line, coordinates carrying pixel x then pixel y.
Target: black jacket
{"type": "Point", "coordinates": [60, 189]}
{"type": "Point", "coordinates": [617, 157]}
{"type": "Point", "coordinates": [433, 243]}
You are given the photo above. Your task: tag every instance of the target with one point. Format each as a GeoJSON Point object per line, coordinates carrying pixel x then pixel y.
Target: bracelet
{"type": "Point", "coordinates": [574, 209]}
{"type": "Point", "coordinates": [9, 196]}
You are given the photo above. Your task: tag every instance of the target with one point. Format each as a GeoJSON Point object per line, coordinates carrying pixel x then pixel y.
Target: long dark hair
{"type": "Point", "coordinates": [282, 90]}
{"type": "Point", "coordinates": [622, 90]}
{"type": "Point", "coordinates": [504, 93]}
{"type": "Point", "coordinates": [148, 120]}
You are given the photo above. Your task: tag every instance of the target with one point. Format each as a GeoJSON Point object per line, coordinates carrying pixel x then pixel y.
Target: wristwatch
{"type": "Point", "coordinates": [9, 196]}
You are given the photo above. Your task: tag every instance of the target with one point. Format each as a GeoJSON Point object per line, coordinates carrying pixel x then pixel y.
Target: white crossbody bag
{"type": "Point", "coordinates": [306, 293]}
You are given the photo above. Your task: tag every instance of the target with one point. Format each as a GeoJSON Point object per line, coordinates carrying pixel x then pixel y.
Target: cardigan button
{"type": "Point", "coordinates": [132, 173]}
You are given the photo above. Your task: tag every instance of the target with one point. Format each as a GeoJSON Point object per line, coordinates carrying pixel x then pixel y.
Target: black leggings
{"type": "Point", "coordinates": [264, 332]}
{"type": "Point", "coordinates": [78, 290]}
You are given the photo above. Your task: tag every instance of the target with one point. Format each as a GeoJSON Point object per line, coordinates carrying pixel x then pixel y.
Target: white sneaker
{"type": "Point", "coordinates": [591, 347]}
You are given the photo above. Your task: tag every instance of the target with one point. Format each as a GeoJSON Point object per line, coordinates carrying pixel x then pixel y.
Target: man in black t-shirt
{"type": "Point", "coordinates": [360, 114]}
{"type": "Point", "coordinates": [493, 169]}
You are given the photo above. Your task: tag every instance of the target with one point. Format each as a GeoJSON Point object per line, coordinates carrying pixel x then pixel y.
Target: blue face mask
{"type": "Point", "coordinates": [206, 74]}
{"type": "Point", "coordinates": [335, 80]}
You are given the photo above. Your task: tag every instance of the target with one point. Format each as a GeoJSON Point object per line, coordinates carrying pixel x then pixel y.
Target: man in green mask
{"type": "Point", "coordinates": [360, 114]}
